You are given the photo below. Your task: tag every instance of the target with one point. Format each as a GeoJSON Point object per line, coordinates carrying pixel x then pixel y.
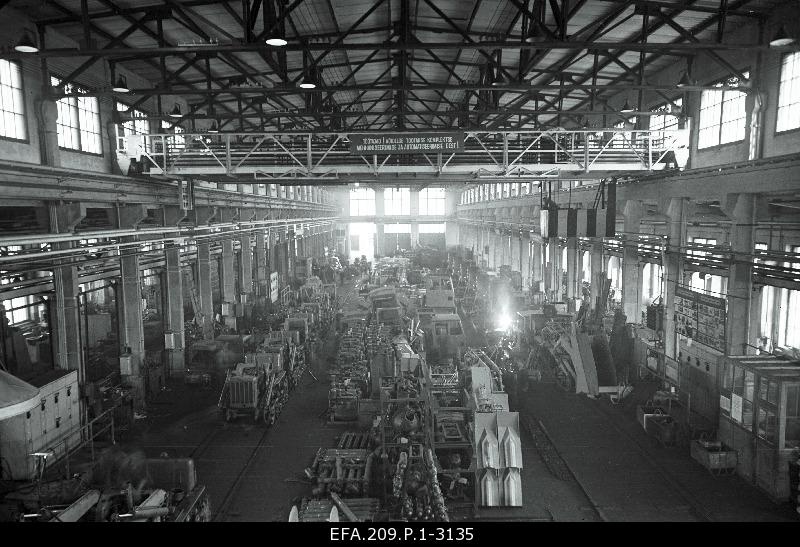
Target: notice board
{"type": "Point", "coordinates": [412, 143]}
{"type": "Point", "coordinates": [700, 317]}
{"type": "Point", "coordinates": [273, 287]}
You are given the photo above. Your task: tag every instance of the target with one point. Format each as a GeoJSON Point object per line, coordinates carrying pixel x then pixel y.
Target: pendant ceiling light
{"type": "Point", "coordinates": [121, 85]}
{"type": "Point", "coordinates": [176, 111]}
{"type": "Point", "coordinates": [781, 38]}
{"type": "Point", "coordinates": [626, 107]}
{"type": "Point", "coordinates": [26, 45]}
{"type": "Point", "coordinates": [276, 41]}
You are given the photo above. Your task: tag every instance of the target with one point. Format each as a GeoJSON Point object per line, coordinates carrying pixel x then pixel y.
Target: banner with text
{"type": "Point", "coordinates": [416, 143]}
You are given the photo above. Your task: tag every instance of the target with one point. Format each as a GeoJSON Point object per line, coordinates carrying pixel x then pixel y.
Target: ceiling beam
{"type": "Point", "coordinates": [653, 47]}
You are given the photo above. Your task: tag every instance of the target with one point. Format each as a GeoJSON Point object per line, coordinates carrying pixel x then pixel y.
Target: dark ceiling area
{"type": "Point", "coordinates": [397, 64]}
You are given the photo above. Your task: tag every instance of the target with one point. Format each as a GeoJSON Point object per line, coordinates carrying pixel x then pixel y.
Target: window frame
{"type": "Point", "coordinates": [122, 130]}
{"type": "Point", "coordinates": [428, 200]}
{"type": "Point", "coordinates": [721, 82]}
{"type": "Point", "coordinates": [778, 98]}
{"type": "Point", "coordinates": [75, 109]}
{"type": "Point", "coordinates": [24, 112]}
{"type": "Point", "coordinates": [358, 191]}
{"type": "Point", "coordinates": [397, 199]}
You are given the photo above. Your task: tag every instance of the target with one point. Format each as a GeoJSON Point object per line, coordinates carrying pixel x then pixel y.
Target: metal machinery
{"type": "Point", "coordinates": [406, 444]}
{"type": "Point", "coordinates": [289, 353]}
{"type": "Point", "coordinates": [350, 374]}
{"type": "Point", "coordinates": [579, 361]}
{"type": "Point", "coordinates": [439, 293]}
{"type": "Point", "coordinates": [444, 336]}
{"type": "Point", "coordinates": [303, 268]}
{"type": "Point", "coordinates": [497, 454]}
{"type": "Point", "coordinates": [390, 271]}
{"type": "Point", "coordinates": [54, 469]}
{"type": "Point", "coordinates": [208, 356]}
{"type": "Point", "coordinates": [119, 488]}
{"type": "Point", "coordinates": [258, 387]}
{"type": "Point", "coordinates": [386, 307]}
{"type": "Point", "coordinates": [346, 473]}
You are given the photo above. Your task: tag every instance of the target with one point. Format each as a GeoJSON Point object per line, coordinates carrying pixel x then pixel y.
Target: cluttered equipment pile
{"type": "Point", "coordinates": [427, 435]}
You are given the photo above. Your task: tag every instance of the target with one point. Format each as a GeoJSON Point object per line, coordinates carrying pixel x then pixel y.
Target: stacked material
{"type": "Point", "coordinates": [342, 471]}
{"type": "Point", "coordinates": [365, 510]}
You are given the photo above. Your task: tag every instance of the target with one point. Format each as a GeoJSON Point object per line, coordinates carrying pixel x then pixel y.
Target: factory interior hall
{"type": "Point", "coordinates": [400, 261]}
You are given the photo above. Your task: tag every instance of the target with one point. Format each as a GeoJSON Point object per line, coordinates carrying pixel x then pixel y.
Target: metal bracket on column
{"type": "Point", "coordinates": [64, 218]}
{"type": "Point", "coordinates": [204, 215]}
{"type": "Point", "coordinates": [247, 215]}
{"type": "Point", "coordinates": [173, 215]}
{"type": "Point", "coordinates": [734, 205]}
{"type": "Point", "coordinates": [228, 214]}
{"type": "Point", "coordinates": [130, 216]}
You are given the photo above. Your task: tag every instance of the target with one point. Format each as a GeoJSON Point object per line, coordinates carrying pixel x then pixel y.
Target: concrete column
{"type": "Point", "coordinates": [262, 275]}
{"type": "Point", "coordinates": [414, 211]}
{"type": "Point", "coordinates": [380, 240]}
{"type": "Point", "coordinates": [597, 268]}
{"type": "Point", "coordinates": [246, 267]}
{"type": "Point", "coordinates": [516, 265]}
{"type": "Point", "coordinates": [572, 267]}
{"type": "Point", "coordinates": [282, 252]}
{"type": "Point", "coordinates": [228, 273]}
{"type": "Point", "coordinates": [537, 278]}
{"type": "Point", "coordinates": [132, 332]}
{"type": "Point", "coordinates": [202, 275]}
{"type": "Point", "coordinates": [554, 252]}
{"type": "Point", "coordinates": [631, 282]}
{"type": "Point", "coordinates": [741, 209]}
{"type": "Point", "coordinates": [64, 307]}
{"type": "Point", "coordinates": [203, 288]}
{"type": "Point", "coordinates": [48, 131]}
{"type": "Point", "coordinates": [173, 316]}
{"type": "Point", "coordinates": [673, 268]}
{"type": "Point", "coordinates": [525, 258]}
{"type": "Point", "coordinates": [495, 250]}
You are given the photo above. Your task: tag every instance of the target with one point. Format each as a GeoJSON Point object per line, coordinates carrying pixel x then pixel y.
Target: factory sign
{"type": "Point", "coordinates": [700, 317]}
{"type": "Point", "coordinates": [412, 143]}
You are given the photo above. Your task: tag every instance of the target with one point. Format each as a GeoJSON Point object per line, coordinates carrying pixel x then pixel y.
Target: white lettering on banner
{"type": "Point", "coordinates": [408, 144]}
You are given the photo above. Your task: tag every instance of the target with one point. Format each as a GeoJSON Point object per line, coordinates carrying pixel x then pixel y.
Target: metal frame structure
{"type": "Point", "coordinates": [382, 65]}
{"type": "Point", "coordinates": [321, 157]}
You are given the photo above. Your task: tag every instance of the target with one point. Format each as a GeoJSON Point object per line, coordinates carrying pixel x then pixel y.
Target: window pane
{"type": "Point", "coordinates": [11, 102]}
{"type": "Point", "coordinates": [362, 202]}
{"type": "Point", "coordinates": [789, 93]}
{"type": "Point", "coordinates": [432, 201]}
{"type": "Point", "coordinates": [397, 201]}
